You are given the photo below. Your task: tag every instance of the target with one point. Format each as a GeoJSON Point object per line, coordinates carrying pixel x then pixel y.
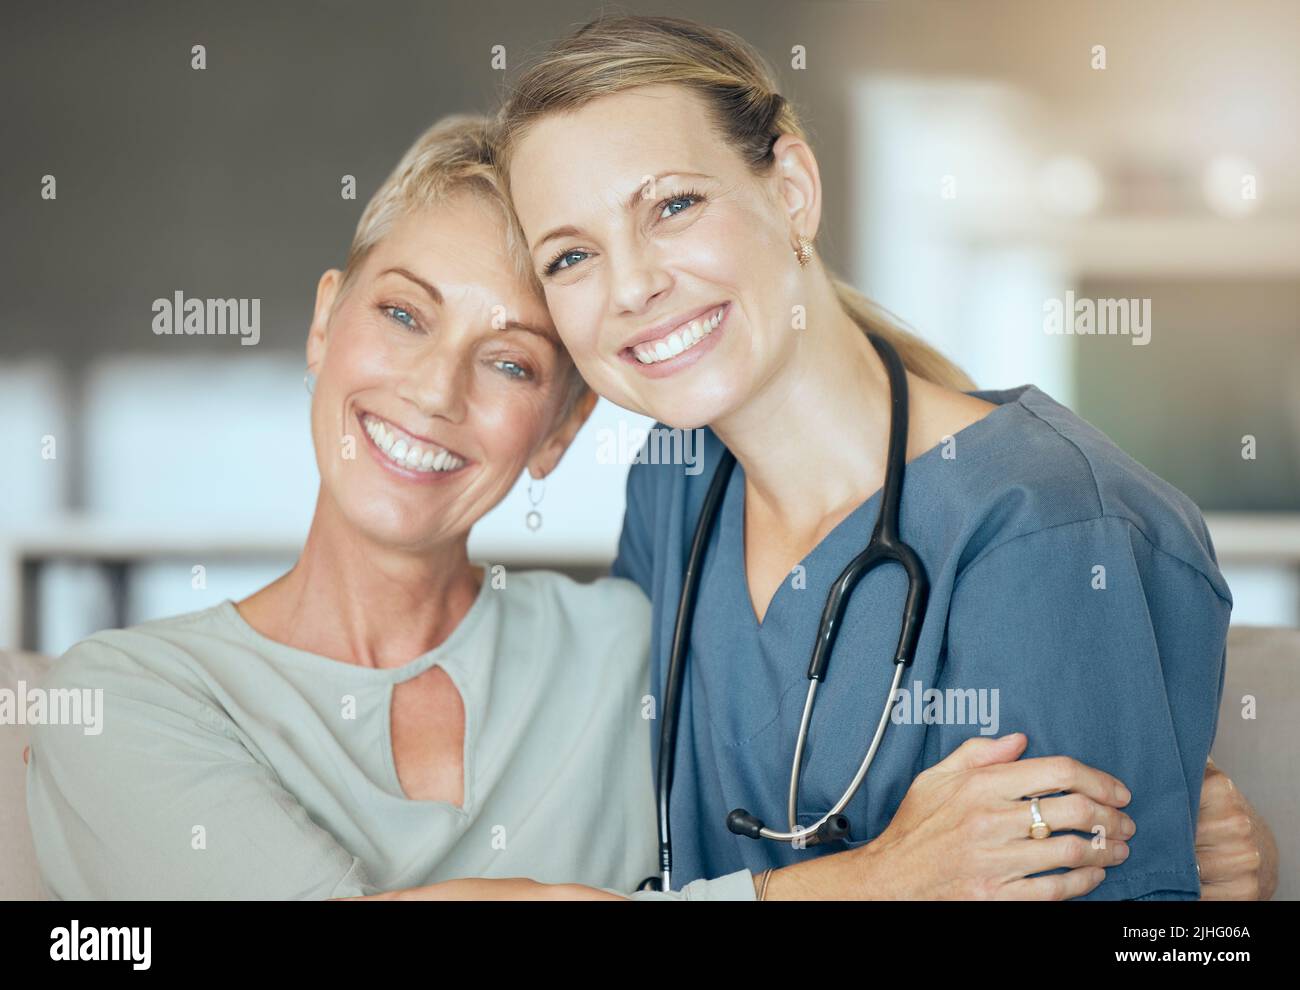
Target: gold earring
{"type": "Point", "coordinates": [804, 252]}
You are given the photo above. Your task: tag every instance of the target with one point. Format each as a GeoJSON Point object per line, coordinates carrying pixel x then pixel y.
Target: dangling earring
{"type": "Point", "coordinates": [309, 382]}
{"type": "Point", "coordinates": [534, 518]}
{"type": "Point", "coordinates": [804, 251]}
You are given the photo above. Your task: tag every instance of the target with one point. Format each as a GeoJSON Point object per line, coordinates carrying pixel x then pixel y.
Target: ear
{"type": "Point", "coordinates": [327, 290]}
{"type": "Point", "coordinates": [800, 185]}
{"type": "Point", "coordinates": [548, 455]}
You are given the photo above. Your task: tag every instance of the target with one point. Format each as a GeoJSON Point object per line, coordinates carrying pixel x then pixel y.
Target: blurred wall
{"type": "Point", "coordinates": [226, 183]}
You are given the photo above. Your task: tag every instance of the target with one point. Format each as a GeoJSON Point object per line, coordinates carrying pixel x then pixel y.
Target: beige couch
{"type": "Point", "coordinates": [1262, 754]}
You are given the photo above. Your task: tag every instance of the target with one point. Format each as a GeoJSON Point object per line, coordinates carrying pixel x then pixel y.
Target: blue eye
{"type": "Point", "coordinates": [563, 261]}
{"type": "Point", "coordinates": [402, 316]}
{"type": "Point", "coordinates": [679, 204]}
{"type": "Point", "coordinates": [512, 369]}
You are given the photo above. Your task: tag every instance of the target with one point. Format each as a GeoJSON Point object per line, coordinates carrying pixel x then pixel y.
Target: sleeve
{"type": "Point", "coordinates": [738, 886]}
{"type": "Point", "coordinates": [1100, 646]}
{"type": "Point", "coordinates": [635, 559]}
{"type": "Point", "coordinates": [159, 800]}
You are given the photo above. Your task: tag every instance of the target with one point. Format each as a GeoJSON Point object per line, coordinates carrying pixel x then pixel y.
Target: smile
{"type": "Point", "coordinates": [679, 340]}
{"type": "Point", "coordinates": [406, 451]}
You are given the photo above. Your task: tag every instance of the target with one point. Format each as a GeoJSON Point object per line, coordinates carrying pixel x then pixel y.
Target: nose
{"type": "Point", "coordinates": [637, 278]}
{"type": "Point", "coordinates": [437, 379]}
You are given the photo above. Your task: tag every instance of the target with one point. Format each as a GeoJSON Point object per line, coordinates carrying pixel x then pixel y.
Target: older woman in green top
{"type": "Point", "coordinates": [386, 719]}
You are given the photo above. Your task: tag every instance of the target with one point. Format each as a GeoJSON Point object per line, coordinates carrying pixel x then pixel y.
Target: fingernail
{"type": "Point", "coordinates": [1124, 794]}
{"type": "Point", "coordinates": [1120, 851]}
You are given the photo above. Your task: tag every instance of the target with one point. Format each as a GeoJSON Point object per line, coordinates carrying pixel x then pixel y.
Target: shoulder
{"type": "Point", "coordinates": [163, 662]}
{"type": "Point", "coordinates": [119, 692]}
{"type": "Point", "coordinates": [554, 611]}
{"type": "Point", "coordinates": [1042, 468]}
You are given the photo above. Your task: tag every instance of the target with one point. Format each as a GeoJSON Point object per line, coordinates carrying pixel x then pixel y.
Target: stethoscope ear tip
{"type": "Point", "coordinates": [833, 829]}
{"type": "Point", "coordinates": [741, 822]}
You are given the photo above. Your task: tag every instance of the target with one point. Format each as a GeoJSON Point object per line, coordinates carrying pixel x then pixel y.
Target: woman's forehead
{"type": "Point", "coordinates": [607, 148]}
{"type": "Point", "coordinates": [462, 248]}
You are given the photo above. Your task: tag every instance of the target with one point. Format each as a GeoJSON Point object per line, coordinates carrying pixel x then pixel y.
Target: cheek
{"type": "Point", "coordinates": [719, 250]}
{"type": "Point", "coordinates": [752, 249]}
{"type": "Point", "coordinates": [509, 422]}
{"type": "Point", "coordinates": [578, 314]}
{"type": "Point", "coordinates": [358, 357]}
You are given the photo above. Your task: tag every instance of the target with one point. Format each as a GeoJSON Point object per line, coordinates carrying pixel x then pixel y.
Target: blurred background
{"type": "Point", "coordinates": [981, 160]}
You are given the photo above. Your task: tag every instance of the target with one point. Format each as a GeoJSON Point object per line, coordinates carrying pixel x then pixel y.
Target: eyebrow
{"type": "Point", "coordinates": [436, 296]}
{"type": "Point", "coordinates": [527, 328]}
{"type": "Point", "coordinates": [428, 287]}
{"type": "Point", "coordinates": [629, 204]}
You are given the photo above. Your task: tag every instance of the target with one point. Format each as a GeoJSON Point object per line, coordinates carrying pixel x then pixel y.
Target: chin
{"type": "Point", "coordinates": [695, 407]}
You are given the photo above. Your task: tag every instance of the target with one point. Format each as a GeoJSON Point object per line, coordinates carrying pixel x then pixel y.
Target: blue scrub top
{"type": "Point", "coordinates": [1065, 576]}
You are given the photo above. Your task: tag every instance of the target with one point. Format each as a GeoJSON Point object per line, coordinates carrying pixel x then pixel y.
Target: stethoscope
{"type": "Point", "coordinates": [884, 547]}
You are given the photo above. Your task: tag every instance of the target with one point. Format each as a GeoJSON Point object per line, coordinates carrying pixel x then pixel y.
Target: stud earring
{"type": "Point", "coordinates": [534, 518]}
{"type": "Point", "coordinates": [309, 382]}
{"type": "Point", "coordinates": [804, 252]}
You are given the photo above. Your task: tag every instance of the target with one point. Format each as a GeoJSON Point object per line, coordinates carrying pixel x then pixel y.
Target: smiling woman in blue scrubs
{"type": "Point", "coordinates": [671, 201]}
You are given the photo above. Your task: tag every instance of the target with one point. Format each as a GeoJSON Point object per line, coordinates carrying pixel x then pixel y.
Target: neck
{"type": "Point", "coordinates": [823, 415]}
{"type": "Point", "coordinates": [353, 599]}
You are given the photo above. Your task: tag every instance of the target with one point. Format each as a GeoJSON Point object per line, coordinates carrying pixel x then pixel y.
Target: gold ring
{"type": "Point", "coordinates": [1038, 829]}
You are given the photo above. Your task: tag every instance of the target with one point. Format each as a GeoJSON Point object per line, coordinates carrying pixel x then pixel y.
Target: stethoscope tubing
{"type": "Point", "coordinates": [885, 546]}
{"type": "Point", "coordinates": [673, 683]}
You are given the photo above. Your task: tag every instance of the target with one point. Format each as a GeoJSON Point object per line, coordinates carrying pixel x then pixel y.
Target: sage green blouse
{"type": "Point", "coordinates": [233, 766]}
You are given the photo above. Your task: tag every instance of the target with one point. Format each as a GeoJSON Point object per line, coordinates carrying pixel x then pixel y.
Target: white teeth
{"type": "Point", "coordinates": [681, 339]}
{"type": "Point", "coordinates": [411, 456]}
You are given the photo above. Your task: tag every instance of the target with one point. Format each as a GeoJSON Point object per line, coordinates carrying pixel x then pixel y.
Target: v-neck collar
{"type": "Point", "coordinates": [863, 517]}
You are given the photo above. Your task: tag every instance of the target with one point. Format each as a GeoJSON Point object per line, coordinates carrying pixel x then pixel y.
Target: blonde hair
{"type": "Point", "coordinates": [610, 55]}
{"type": "Point", "coordinates": [451, 158]}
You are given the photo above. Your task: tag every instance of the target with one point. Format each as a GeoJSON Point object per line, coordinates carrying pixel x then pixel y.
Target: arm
{"type": "Point", "coordinates": [163, 803]}
{"type": "Point", "coordinates": [1235, 849]}
{"type": "Point", "coordinates": [1110, 651]}
{"type": "Point", "coordinates": [739, 886]}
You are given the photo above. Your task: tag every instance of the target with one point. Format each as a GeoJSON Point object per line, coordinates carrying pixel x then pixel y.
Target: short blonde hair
{"type": "Point", "coordinates": [453, 157]}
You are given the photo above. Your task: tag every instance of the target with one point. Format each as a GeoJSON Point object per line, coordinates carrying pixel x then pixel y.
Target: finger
{"type": "Point", "coordinates": [1071, 812]}
{"type": "Point", "coordinates": [1244, 889]}
{"type": "Point", "coordinates": [1233, 827]}
{"type": "Point", "coordinates": [1055, 886]}
{"type": "Point", "coordinates": [1051, 774]}
{"type": "Point", "coordinates": [1216, 792]}
{"type": "Point", "coordinates": [26, 750]}
{"type": "Point", "coordinates": [981, 751]}
{"type": "Point", "coordinates": [1071, 851]}
{"type": "Point", "coordinates": [1226, 864]}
